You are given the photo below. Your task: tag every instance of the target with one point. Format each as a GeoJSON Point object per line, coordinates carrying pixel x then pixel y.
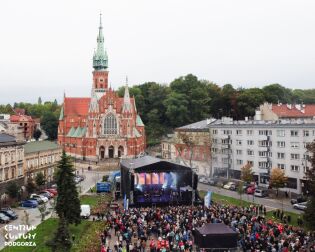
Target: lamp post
{"type": "Point", "coordinates": [192, 185]}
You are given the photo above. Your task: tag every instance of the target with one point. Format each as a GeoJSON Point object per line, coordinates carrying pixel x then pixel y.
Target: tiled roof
{"type": "Point", "coordinates": [76, 106]}
{"type": "Point", "coordinates": [20, 118]}
{"type": "Point", "coordinates": [5, 138]}
{"type": "Point", "coordinates": [197, 126]}
{"type": "Point", "coordinates": [76, 132]}
{"type": "Point", "coordinates": [284, 110]}
{"type": "Point", "coordinates": [36, 146]}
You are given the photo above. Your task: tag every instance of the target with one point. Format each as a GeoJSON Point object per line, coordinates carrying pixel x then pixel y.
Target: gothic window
{"type": "Point", "coordinates": [110, 125]}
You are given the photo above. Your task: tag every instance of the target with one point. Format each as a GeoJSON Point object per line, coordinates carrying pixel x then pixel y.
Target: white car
{"type": "Point", "coordinates": [85, 211]}
{"type": "Point", "coordinates": [300, 206]}
{"type": "Point", "coordinates": [42, 197]}
{"type": "Point", "coordinates": [229, 185]}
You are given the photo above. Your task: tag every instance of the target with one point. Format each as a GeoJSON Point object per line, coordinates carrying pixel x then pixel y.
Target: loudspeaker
{"type": "Point", "coordinates": [195, 181]}
{"type": "Point", "coordinates": [132, 182]}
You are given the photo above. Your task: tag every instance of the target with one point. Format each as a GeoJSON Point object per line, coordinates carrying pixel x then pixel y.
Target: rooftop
{"type": "Point", "coordinates": [5, 138]}
{"type": "Point", "coordinates": [37, 146]}
{"type": "Point", "coordinates": [197, 126]}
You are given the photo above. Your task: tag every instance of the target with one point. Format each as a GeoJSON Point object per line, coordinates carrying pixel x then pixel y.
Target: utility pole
{"type": "Point", "coordinates": [229, 157]}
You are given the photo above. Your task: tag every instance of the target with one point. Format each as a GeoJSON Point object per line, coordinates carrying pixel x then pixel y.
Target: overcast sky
{"type": "Point", "coordinates": [46, 47]}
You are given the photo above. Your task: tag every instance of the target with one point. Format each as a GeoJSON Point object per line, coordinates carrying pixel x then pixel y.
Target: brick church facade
{"type": "Point", "coordinates": [104, 125]}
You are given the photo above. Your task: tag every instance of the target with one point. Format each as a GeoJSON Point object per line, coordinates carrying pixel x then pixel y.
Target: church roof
{"type": "Point", "coordinates": [76, 106]}
{"type": "Point", "coordinates": [71, 131]}
{"type": "Point", "coordinates": [136, 132]}
{"type": "Point", "coordinates": [76, 132]}
{"type": "Point", "coordinates": [139, 121]}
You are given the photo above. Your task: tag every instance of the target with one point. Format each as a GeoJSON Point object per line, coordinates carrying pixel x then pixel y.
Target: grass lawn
{"type": "Point", "coordinates": [44, 232]}
{"type": "Point", "coordinates": [237, 202]}
{"type": "Point", "coordinates": [91, 200]}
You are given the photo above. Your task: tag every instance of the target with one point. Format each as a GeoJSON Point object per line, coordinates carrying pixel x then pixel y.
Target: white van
{"type": "Point", "coordinates": [85, 211]}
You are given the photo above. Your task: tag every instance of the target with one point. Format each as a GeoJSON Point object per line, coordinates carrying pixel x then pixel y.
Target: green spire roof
{"type": "Point", "coordinates": [100, 59]}
{"type": "Point", "coordinates": [61, 114]}
{"type": "Point", "coordinates": [139, 121]}
{"type": "Point", "coordinates": [71, 132]}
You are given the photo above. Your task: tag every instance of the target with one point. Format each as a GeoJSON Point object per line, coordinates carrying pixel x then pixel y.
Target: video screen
{"type": "Point", "coordinates": [167, 179]}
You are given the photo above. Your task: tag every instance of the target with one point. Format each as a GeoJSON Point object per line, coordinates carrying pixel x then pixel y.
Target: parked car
{"type": "Point", "coordinates": [52, 190]}
{"type": "Point", "coordinates": [29, 203]}
{"type": "Point", "coordinates": [85, 211]}
{"type": "Point", "coordinates": [261, 193]}
{"type": "Point", "coordinates": [300, 206]}
{"type": "Point", "coordinates": [46, 194]}
{"type": "Point", "coordinates": [212, 181]}
{"type": "Point", "coordinates": [251, 189]}
{"type": "Point", "coordinates": [230, 185]}
{"type": "Point", "coordinates": [4, 218]}
{"type": "Point", "coordinates": [299, 199]}
{"type": "Point", "coordinates": [41, 197]}
{"type": "Point", "coordinates": [9, 212]}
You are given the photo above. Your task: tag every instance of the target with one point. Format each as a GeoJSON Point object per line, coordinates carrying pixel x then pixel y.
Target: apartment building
{"type": "Point", "coordinates": [265, 145]}
{"type": "Point", "coordinates": [41, 156]}
{"type": "Point", "coordinates": [11, 161]}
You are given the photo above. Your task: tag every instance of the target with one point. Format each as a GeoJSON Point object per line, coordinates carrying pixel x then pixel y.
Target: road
{"type": "Point", "coordinates": [270, 204]}
{"type": "Point", "coordinates": [91, 177]}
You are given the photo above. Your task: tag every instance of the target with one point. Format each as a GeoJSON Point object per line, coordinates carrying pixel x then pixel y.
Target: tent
{"type": "Point", "coordinates": [215, 236]}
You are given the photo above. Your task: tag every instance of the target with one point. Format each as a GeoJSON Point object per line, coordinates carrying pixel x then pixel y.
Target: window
{"type": "Point", "coordinates": [239, 152]}
{"type": "Point", "coordinates": [262, 153]}
{"type": "Point", "coordinates": [295, 156]}
{"type": "Point", "coordinates": [264, 143]}
{"type": "Point", "coordinates": [250, 152]}
{"type": "Point", "coordinates": [265, 132]}
{"type": "Point", "coordinates": [238, 132]}
{"type": "Point", "coordinates": [295, 145]}
{"type": "Point", "coordinates": [294, 133]}
{"type": "Point", "coordinates": [280, 133]}
{"type": "Point", "coordinates": [214, 150]}
{"type": "Point", "coordinates": [281, 144]}
{"type": "Point", "coordinates": [306, 133]}
{"type": "Point", "coordinates": [227, 132]}
{"type": "Point", "coordinates": [280, 155]}
{"type": "Point", "coordinates": [250, 162]}
{"type": "Point", "coordinates": [249, 132]}
{"type": "Point", "coordinates": [110, 125]}
{"type": "Point", "coordinates": [239, 161]}
{"type": "Point", "coordinates": [262, 165]}
{"type": "Point", "coordinates": [214, 132]}
{"type": "Point", "coordinates": [295, 168]}
{"type": "Point", "coordinates": [281, 166]}
{"type": "Point", "coordinates": [226, 141]}
{"type": "Point", "coordinates": [238, 142]}
{"type": "Point", "coordinates": [250, 142]}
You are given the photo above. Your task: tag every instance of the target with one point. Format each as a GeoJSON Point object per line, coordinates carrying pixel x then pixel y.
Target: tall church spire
{"type": "Point", "coordinates": [127, 104]}
{"type": "Point", "coordinates": [100, 59]}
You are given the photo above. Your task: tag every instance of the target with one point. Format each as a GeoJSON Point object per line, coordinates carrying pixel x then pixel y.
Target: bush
{"type": "Point", "coordinates": [105, 178]}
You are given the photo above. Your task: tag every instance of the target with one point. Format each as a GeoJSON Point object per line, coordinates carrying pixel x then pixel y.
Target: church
{"type": "Point", "coordinates": [103, 125]}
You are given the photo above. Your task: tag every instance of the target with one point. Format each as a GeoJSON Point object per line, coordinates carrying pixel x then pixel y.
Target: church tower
{"type": "Point", "coordinates": [100, 63]}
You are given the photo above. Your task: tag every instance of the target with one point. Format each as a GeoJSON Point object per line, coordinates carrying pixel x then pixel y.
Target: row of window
{"type": "Point", "coordinates": [280, 133]}
{"type": "Point", "coordinates": [42, 160]}
{"type": "Point", "coordinates": [11, 157]}
{"type": "Point", "coordinates": [10, 173]}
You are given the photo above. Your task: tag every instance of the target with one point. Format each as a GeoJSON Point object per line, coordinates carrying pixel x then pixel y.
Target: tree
{"type": "Point", "coordinates": [277, 179]}
{"type": "Point", "coordinates": [309, 215]}
{"type": "Point", "coordinates": [49, 122]}
{"type": "Point", "coordinates": [40, 179]}
{"type": "Point", "coordinates": [247, 175]}
{"type": "Point", "coordinates": [39, 102]}
{"type": "Point", "coordinates": [30, 186]}
{"type": "Point", "coordinates": [68, 203]}
{"type": "Point", "coordinates": [12, 189]}
{"type": "Point", "coordinates": [61, 241]}
{"type": "Point", "coordinates": [37, 134]}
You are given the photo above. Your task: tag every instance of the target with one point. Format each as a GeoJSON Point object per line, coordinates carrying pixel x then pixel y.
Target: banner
{"type": "Point", "coordinates": [125, 202]}
{"type": "Point", "coordinates": [207, 199]}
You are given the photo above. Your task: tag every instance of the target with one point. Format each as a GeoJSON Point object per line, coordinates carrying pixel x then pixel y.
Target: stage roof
{"type": "Point", "coordinates": [149, 163]}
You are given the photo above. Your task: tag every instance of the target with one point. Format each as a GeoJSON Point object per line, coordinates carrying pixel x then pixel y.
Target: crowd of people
{"type": "Point", "coordinates": [171, 228]}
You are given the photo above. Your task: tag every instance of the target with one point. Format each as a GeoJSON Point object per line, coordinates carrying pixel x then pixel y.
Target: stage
{"type": "Point", "coordinates": [150, 181]}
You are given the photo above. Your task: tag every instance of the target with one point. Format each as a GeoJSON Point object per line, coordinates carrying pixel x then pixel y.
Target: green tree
{"type": "Point", "coordinates": [49, 123]}
{"type": "Point", "coordinates": [177, 109]}
{"type": "Point", "coordinates": [61, 241]}
{"type": "Point", "coordinates": [68, 203]}
{"type": "Point", "coordinates": [37, 134]}
{"type": "Point", "coordinates": [275, 93]}
{"type": "Point", "coordinates": [30, 185]}
{"type": "Point", "coordinates": [39, 102]}
{"type": "Point", "coordinates": [248, 101]}
{"type": "Point", "coordinates": [309, 215]}
{"type": "Point", "coordinates": [12, 189]}
{"type": "Point", "coordinates": [40, 179]}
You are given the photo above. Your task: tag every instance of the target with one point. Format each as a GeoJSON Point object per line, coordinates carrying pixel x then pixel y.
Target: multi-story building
{"type": "Point", "coordinates": [12, 129]}
{"type": "Point", "coordinates": [27, 123]}
{"type": "Point", "coordinates": [11, 161]}
{"type": "Point", "coordinates": [104, 125]}
{"type": "Point", "coordinates": [190, 145]}
{"type": "Point", "coordinates": [269, 111]}
{"type": "Point", "coordinates": [41, 156]}
{"type": "Point", "coordinates": [265, 145]}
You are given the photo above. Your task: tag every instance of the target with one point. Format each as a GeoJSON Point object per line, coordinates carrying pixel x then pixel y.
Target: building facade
{"type": "Point", "coordinates": [103, 125]}
{"type": "Point", "coordinates": [11, 161]}
{"type": "Point", "coordinates": [191, 146]}
{"type": "Point", "coordinates": [41, 156]}
{"type": "Point", "coordinates": [265, 145]}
